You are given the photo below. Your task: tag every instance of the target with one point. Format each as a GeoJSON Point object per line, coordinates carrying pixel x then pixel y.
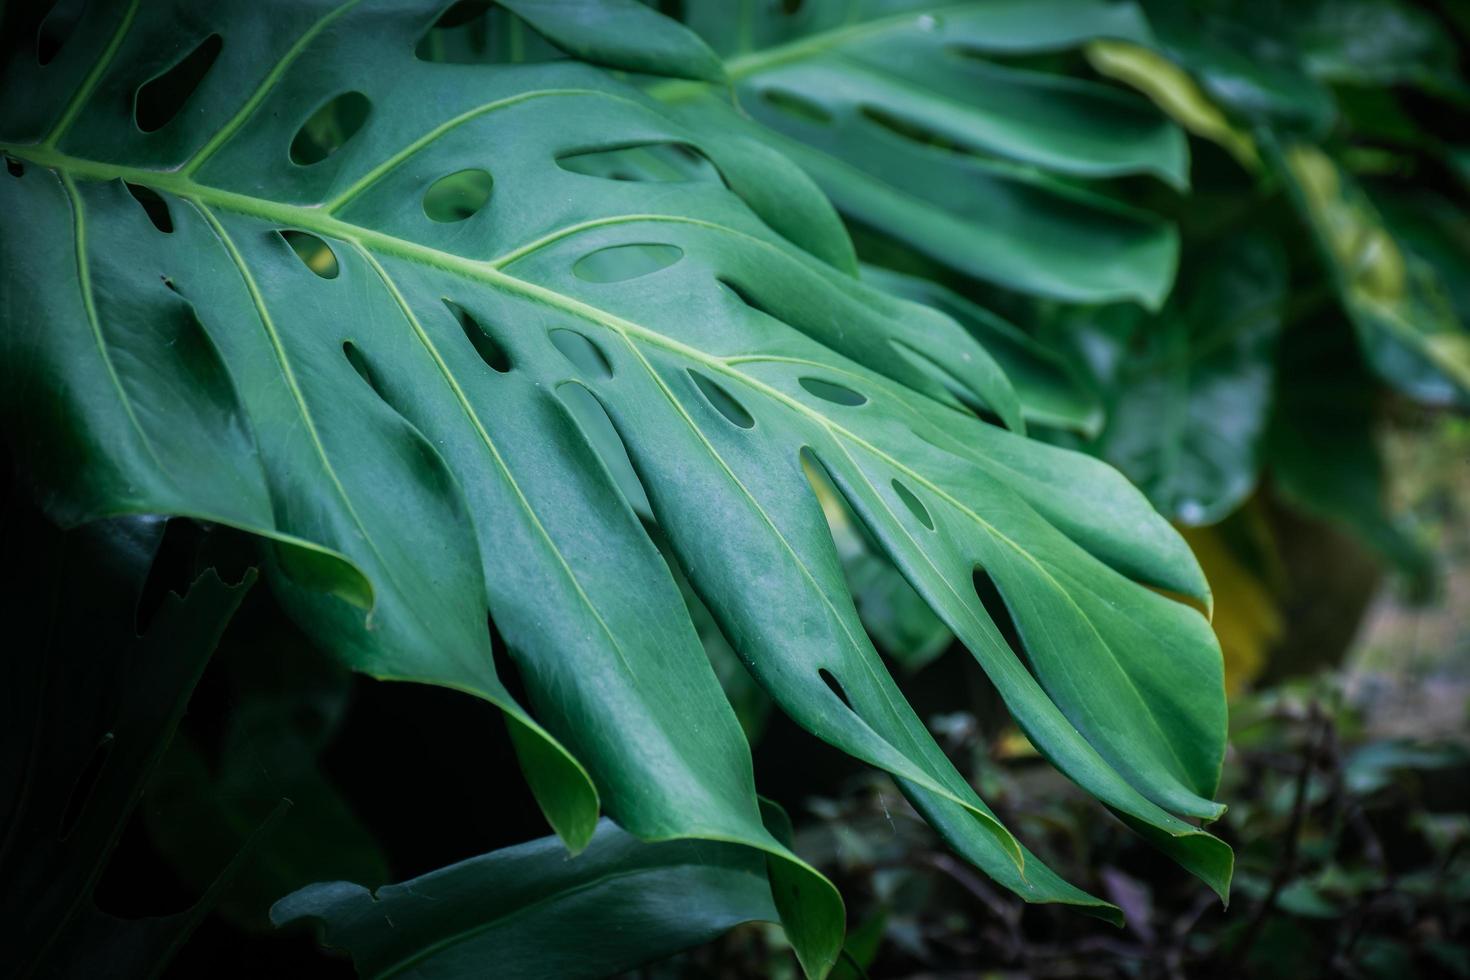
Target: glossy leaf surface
{"type": "Point", "coordinates": [425, 420]}
{"type": "Point", "coordinates": [922, 121]}
{"type": "Point", "coordinates": [534, 911]}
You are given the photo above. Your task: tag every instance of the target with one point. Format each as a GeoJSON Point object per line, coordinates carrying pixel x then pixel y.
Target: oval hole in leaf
{"type": "Point", "coordinates": [996, 609]}
{"type": "Point", "coordinates": [160, 98]}
{"type": "Point", "coordinates": [314, 253]}
{"type": "Point", "coordinates": [970, 399]}
{"type": "Point", "coordinates": [81, 790]}
{"type": "Point", "coordinates": [796, 106]}
{"type": "Point", "coordinates": [329, 128]}
{"type": "Point", "coordinates": [722, 401]}
{"type": "Point", "coordinates": [56, 28]}
{"type": "Point", "coordinates": [910, 130]}
{"type": "Point", "coordinates": [744, 295]}
{"type": "Point", "coordinates": [460, 35]}
{"type": "Point", "coordinates": [617, 263]}
{"type": "Point", "coordinates": [646, 162]}
{"type": "Point", "coordinates": [606, 444]}
{"type": "Point", "coordinates": [154, 206]}
{"type": "Point", "coordinates": [834, 685]}
{"type": "Point", "coordinates": [583, 353]}
{"type": "Point", "coordinates": [458, 196]}
{"type": "Point", "coordinates": [480, 339]}
{"type": "Point", "coordinates": [361, 366]}
{"type": "Point", "coordinates": [833, 392]}
{"type": "Point", "coordinates": [914, 504]}
{"type": "Point", "coordinates": [14, 167]}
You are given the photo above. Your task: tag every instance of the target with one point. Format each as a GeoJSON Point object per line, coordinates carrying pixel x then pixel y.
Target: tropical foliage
{"type": "Point", "coordinates": [633, 372]}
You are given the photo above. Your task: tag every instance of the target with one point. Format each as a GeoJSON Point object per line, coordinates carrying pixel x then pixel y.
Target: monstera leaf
{"type": "Point", "coordinates": [87, 707]}
{"type": "Point", "coordinates": [533, 913]}
{"type": "Point", "coordinates": [270, 266]}
{"type": "Point", "coordinates": [928, 123]}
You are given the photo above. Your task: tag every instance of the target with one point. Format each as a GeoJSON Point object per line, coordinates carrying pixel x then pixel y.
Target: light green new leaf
{"type": "Point", "coordinates": [533, 911]}
{"type": "Point", "coordinates": [909, 117]}
{"type": "Point", "coordinates": [372, 308]}
{"type": "Point", "coordinates": [1189, 411]}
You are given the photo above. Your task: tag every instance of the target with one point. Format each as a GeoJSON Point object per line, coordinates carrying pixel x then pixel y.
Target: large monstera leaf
{"type": "Point", "coordinates": [374, 309]}
{"type": "Point", "coordinates": [934, 124]}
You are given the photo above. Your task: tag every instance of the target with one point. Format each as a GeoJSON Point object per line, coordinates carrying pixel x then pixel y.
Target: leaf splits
{"type": "Point", "coordinates": [409, 476]}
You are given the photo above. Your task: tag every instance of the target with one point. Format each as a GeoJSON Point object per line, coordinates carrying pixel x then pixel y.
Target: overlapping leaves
{"type": "Point", "coordinates": [934, 125]}
{"type": "Point", "coordinates": [374, 309]}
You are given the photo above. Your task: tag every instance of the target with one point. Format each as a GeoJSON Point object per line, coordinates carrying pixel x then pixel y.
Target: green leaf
{"type": "Point", "coordinates": [915, 121]}
{"type": "Point", "coordinates": [408, 412]}
{"type": "Point", "coordinates": [1190, 409]}
{"type": "Point", "coordinates": [1239, 59]}
{"type": "Point", "coordinates": [1320, 447]}
{"type": "Point", "coordinates": [621, 34]}
{"type": "Point", "coordinates": [1401, 312]}
{"type": "Point", "coordinates": [286, 702]}
{"type": "Point", "coordinates": [534, 911]}
{"type": "Point", "coordinates": [1048, 389]}
{"type": "Point", "coordinates": [87, 707]}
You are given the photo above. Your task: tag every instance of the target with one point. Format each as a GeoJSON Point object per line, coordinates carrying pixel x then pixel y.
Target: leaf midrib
{"type": "Point", "coordinates": [316, 220]}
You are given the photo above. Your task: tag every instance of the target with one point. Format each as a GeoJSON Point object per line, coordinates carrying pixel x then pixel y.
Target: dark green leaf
{"type": "Point", "coordinates": [535, 911]}
{"type": "Point", "coordinates": [1190, 410]}
{"type": "Point", "coordinates": [87, 707]}
{"type": "Point", "coordinates": [329, 396]}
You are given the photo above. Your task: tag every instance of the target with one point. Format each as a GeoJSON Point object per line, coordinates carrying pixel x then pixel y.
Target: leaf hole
{"type": "Point", "coordinates": [416, 451]}
{"type": "Point", "coordinates": [910, 130]}
{"type": "Point", "coordinates": [832, 392]}
{"type": "Point", "coordinates": [480, 339]}
{"type": "Point", "coordinates": [360, 364]}
{"type": "Point", "coordinates": [314, 253]}
{"type": "Point", "coordinates": [85, 786]}
{"type": "Point", "coordinates": [996, 608]}
{"type": "Point", "coordinates": [461, 35]}
{"type": "Point", "coordinates": [914, 504]}
{"type": "Point", "coordinates": [56, 28]}
{"type": "Point", "coordinates": [153, 206]}
{"type": "Point", "coordinates": [834, 686]}
{"type": "Point", "coordinates": [14, 167]}
{"type": "Point", "coordinates": [583, 353]}
{"type": "Point", "coordinates": [169, 283]}
{"type": "Point", "coordinates": [458, 196]}
{"type": "Point", "coordinates": [744, 296]}
{"type": "Point", "coordinates": [605, 445]}
{"type": "Point", "coordinates": [617, 263]}
{"type": "Point", "coordinates": [645, 162]}
{"type": "Point", "coordinates": [159, 99]}
{"type": "Point", "coordinates": [329, 128]}
{"type": "Point", "coordinates": [937, 372]}
{"type": "Point", "coordinates": [722, 401]}
{"type": "Point", "coordinates": [796, 106]}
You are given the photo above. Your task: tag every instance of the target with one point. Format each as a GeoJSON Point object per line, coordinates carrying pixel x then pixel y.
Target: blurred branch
{"type": "Point", "coordinates": [1287, 868]}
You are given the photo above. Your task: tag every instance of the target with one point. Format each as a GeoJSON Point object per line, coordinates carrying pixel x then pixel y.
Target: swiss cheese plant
{"type": "Point", "coordinates": [525, 327]}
